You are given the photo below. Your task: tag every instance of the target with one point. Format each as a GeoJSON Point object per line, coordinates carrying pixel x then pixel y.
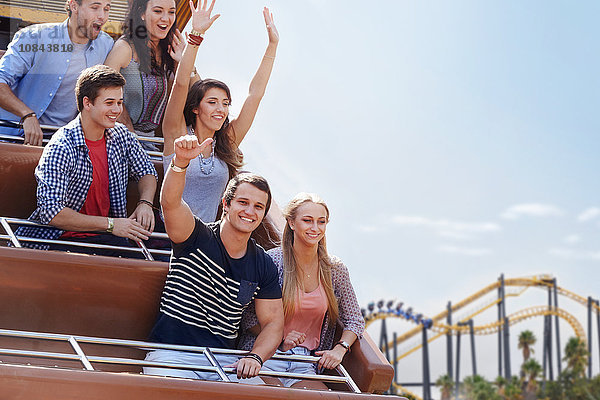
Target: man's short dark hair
{"type": "Point", "coordinates": [68, 7]}
{"type": "Point", "coordinates": [247, 177]}
{"type": "Point", "coordinates": [92, 79]}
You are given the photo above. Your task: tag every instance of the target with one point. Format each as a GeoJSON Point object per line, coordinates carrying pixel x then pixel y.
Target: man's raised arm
{"type": "Point", "coordinates": [179, 219]}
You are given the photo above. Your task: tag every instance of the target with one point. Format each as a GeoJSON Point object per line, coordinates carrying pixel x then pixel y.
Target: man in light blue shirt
{"type": "Point", "coordinates": [41, 65]}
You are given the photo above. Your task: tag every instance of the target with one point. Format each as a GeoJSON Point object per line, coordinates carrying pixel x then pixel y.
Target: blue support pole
{"type": "Point", "coordinates": [426, 376]}
{"type": "Point", "coordinates": [449, 341]}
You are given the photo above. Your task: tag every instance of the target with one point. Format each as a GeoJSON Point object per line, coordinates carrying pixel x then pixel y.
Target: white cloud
{"type": "Point", "coordinates": [455, 235]}
{"type": "Point", "coordinates": [588, 214]}
{"type": "Point", "coordinates": [367, 228]}
{"type": "Point", "coordinates": [576, 255]}
{"type": "Point", "coordinates": [465, 251]}
{"type": "Point", "coordinates": [447, 228]}
{"type": "Point", "coordinates": [532, 210]}
{"type": "Point", "coordinates": [572, 239]}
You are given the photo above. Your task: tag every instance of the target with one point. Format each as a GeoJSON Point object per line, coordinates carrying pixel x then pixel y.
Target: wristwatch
{"type": "Point", "coordinates": [111, 225]}
{"type": "Point", "coordinates": [344, 344]}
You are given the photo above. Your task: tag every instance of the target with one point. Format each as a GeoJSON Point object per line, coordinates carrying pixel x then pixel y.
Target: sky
{"type": "Point", "coordinates": [452, 140]}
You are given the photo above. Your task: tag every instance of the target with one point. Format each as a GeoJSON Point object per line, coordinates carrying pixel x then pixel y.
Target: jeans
{"type": "Point", "coordinates": [183, 357]}
{"type": "Point", "coordinates": [291, 366]}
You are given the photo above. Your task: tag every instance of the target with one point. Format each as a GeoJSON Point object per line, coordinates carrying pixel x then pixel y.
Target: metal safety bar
{"type": "Point", "coordinates": [46, 138]}
{"type": "Point", "coordinates": [86, 360]}
{"type": "Point", "coordinates": [52, 129]}
{"type": "Point", "coordinates": [16, 240]}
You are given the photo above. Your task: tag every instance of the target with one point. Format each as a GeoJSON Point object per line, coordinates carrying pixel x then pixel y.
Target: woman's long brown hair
{"type": "Point", "coordinates": [225, 148]}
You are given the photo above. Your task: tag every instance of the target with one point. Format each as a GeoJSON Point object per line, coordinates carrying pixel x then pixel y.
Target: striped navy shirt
{"type": "Point", "coordinates": [206, 290]}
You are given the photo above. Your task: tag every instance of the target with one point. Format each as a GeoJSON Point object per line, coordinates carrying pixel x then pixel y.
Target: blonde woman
{"type": "Point", "coordinates": [317, 293]}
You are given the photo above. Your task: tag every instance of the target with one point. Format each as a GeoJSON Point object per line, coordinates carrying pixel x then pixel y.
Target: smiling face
{"type": "Point", "coordinates": [159, 18]}
{"type": "Point", "coordinates": [213, 109]}
{"type": "Point", "coordinates": [104, 110]}
{"type": "Point", "coordinates": [89, 17]}
{"type": "Point", "coordinates": [246, 209]}
{"type": "Point", "coordinates": [309, 224]}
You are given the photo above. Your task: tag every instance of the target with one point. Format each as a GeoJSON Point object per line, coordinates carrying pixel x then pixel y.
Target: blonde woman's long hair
{"type": "Point", "coordinates": [291, 283]}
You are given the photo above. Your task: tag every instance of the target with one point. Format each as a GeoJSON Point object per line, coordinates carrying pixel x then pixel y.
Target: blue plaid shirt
{"type": "Point", "coordinates": [64, 175]}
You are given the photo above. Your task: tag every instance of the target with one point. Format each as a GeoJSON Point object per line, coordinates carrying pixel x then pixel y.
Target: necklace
{"type": "Point", "coordinates": [210, 160]}
{"type": "Point", "coordinates": [306, 273]}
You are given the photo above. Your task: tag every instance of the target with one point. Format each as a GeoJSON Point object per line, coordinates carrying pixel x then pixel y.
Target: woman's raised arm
{"type": "Point", "coordinates": [243, 122]}
{"type": "Point", "coordinates": [173, 123]}
{"type": "Point", "coordinates": [119, 58]}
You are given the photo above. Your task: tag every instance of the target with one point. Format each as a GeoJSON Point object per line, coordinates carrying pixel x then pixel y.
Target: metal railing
{"type": "Point", "coordinates": [88, 360]}
{"type": "Point", "coordinates": [15, 240]}
{"type": "Point", "coordinates": [48, 130]}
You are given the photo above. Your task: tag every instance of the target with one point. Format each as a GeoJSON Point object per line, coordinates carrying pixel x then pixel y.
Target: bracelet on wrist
{"type": "Point", "coordinates": [254, 356]}
{"type": "Point", "coordinates": [111, 225]}
{"type": "Point", "coordinates": [24, 117]}
{"type": "Point", "coordinates": [194, 40]}
{"type": "Point", "coordinates": [176, 168]}
{"type": "Point", "coordinates": [344, 344]}
{"type": "Point", "coordinates": [142, 201]}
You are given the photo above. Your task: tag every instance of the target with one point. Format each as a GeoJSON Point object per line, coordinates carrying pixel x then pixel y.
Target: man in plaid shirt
{"type": "Point", "coordinates": [83, 172]}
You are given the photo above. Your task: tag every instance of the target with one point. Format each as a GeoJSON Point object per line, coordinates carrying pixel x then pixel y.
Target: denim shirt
{"type": "Point", "coordinates": [36, 62]}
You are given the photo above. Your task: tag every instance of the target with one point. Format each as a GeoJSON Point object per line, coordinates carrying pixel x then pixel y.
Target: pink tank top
{"type": "Point", "coordinates": [308, 316]}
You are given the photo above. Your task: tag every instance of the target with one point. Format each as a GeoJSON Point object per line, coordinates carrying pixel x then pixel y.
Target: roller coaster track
{"type": "Point", "coordinates": [441, 329]}
{"type": "Point", "coordinates": [489, 329]}
{"type": "Point", "coordinates": [539, 281]}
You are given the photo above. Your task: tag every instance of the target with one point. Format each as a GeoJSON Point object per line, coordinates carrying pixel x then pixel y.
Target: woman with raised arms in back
{"type": "Point", "coordinates": [317, 293]}
{"type": "Point", "coordinates": [203, 112]}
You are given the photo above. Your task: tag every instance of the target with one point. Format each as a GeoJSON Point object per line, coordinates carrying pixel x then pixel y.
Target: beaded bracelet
{"type": "Point", "coordinates": [254, 356]}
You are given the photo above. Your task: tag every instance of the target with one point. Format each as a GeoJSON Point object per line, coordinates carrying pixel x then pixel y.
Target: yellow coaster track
{"type": "Point", "coordinates": [539, 281]}
{"type": "Point", "coordinates": [441, 329]}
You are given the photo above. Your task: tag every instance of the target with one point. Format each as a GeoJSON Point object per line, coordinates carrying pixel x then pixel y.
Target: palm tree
{"type": "Point", "coordinates": [477, 388]}
{"type": "Point", "coordinates": [500, 383]}
{"type": "Point", "coordinates": [513, 391]}
{"type": "Point", "coordinates": [446, 384]}
{"type": "Point", "coordinates": [526, 340]}
{"type": "Point", "coordinates": [576, 356]}
{"type": "Point", "coordinates": [531, 369]}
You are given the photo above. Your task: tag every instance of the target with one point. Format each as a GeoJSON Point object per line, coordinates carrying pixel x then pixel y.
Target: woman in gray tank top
{"type": "Point", "coordinates": [203, 111]}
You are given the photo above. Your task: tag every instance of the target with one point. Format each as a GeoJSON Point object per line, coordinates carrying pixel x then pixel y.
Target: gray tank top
{"type": "Point", "coordinates": [144, 96]}
{"type": "Point", "coordinates": [203, 192]}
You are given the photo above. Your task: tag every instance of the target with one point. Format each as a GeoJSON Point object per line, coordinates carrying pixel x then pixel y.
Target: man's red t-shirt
{"type": "Point", "coordinates": [97, 201]}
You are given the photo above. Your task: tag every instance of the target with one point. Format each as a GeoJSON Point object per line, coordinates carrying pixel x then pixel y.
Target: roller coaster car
{"type": "Point", "coordinates": [76, 294]}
